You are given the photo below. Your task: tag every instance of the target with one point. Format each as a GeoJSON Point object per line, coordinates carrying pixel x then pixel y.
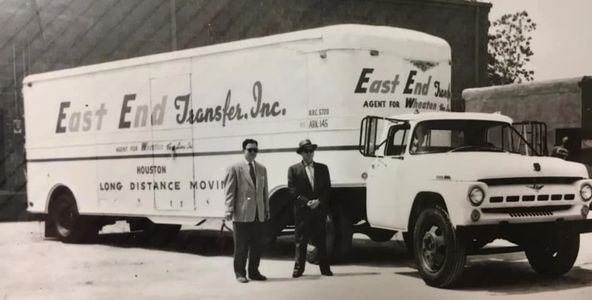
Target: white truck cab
{"type": "Point", "coordinates": [453, 182]}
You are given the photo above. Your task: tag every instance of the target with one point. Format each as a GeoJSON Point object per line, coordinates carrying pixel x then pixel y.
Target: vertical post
{"type": "Point", "coordinates": [37, 17]}
{"type": "Point", "coordinates": [173, 25]}
{"type": "Point", "coordinates": [477, 45]}
{"type": "Point", "coordinates": [15, 85]}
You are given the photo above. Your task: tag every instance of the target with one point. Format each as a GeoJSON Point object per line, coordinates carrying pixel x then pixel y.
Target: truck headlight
{"type": "Point", "coordinates": [586, 192]}
{"type": "Point", "coordinates": [477, 195]}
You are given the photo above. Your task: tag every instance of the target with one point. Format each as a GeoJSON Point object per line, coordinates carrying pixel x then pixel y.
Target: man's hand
{"type": "Point", "coordinates": [228, 216]}
{"type": "Point", "coordinates": [314, 203]}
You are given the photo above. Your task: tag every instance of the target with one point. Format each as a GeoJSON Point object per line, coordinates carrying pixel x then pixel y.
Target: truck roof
{"type": "Point", "coordinates": [424, 116]}
{"type": "Point", "coordinates": [406, 43]}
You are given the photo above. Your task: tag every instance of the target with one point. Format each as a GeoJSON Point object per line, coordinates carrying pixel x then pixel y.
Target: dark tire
{"type": "Point", "coordinates": [338, 236]}
{"type": "Point", "coordinates": [279, 220]}
{"type": "Point", "coordinates": [67, 224]}
{"type": "Point", "coordinates": [342, 241]}
{"type": "Point", "coordinates": [553, 257]}
{"type": "Point", "coordinates": [439, 253]}
{"type": "Point", "coordinates": [380, 235]}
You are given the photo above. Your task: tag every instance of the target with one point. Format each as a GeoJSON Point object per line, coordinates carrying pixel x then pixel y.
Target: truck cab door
{"type": "Point", "coordinates": [384, 174]}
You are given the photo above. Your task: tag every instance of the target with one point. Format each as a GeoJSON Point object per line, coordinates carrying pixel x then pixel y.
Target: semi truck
{"type": "Point", "coordinates": [147, 140]}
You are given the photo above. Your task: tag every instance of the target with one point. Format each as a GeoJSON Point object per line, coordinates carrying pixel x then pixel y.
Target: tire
{"type": "Point", "coordinates": [342, 240]}
{"type": "Point", "coordinates": [277, 223]}
{"type": "Point", "coordinates": [338, 237]}
{"type": "Point", "coordinates": [66, 222]}
{"type": "Point", "coordinates": [380, 235]}
{"type": "Point", "coordinates": [553, 257]}
{"type": "Point", "coordinates": [439, 253]}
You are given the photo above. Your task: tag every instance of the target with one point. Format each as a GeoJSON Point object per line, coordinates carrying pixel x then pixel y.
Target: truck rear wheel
{"type": "Point", "coordinates": [553, 257]}
{"type": "Point", "coordinates": [439, 253]}
{"type": "Point", "coordinates": [68, 225]}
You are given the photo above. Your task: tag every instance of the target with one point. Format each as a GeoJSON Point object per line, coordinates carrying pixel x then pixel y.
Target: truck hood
{"type": "Point", "coordinates": [471, 166]}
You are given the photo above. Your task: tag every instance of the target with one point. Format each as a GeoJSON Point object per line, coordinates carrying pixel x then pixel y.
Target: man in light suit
{"type": "Point", "coordinates": [247, 205]}
{"type": "Point", "coordinates": [309, 185]}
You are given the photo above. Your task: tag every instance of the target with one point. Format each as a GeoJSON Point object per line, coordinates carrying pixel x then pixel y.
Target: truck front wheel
{"type": "Point", "coordinates": [439, 253]}
{"type": "Point", "coordinates": [553, 257]}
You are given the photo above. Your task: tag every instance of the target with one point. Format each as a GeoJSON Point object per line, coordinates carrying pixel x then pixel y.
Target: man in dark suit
{"type": "Point", "coordinates": [309, 185]}
{"type": "Point", "coordinates": [247, 205]}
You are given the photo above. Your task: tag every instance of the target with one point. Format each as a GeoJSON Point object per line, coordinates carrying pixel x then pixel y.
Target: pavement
{"type": "Point", "coordinates": [198, 265]}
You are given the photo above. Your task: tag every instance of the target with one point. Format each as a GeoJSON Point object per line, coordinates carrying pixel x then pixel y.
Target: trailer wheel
{"type": "Point", "coordinates": [553, 257]}
{"type": "Point", "coordinates": [344, 228]}
{"type": "Point", "coordinates": [277, 223]}
{"type": "Point", "coordinates": [439, 253]}
{"type": "Point", "coordinates": [68, 225]}
{"type": "Point", "coordinates": [338, 236]}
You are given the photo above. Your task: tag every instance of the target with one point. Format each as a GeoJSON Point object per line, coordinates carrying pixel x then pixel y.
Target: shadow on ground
{"type": "Point", "coordinates": [510, 274]}
{"type": "Point", "coordinates": [504, 274]}
{"type": "Point", "coordinates": [212, 243]}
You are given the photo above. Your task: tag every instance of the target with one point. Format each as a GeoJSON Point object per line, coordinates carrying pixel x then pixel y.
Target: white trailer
{"type": "Point", "coordinates": [148, 139]}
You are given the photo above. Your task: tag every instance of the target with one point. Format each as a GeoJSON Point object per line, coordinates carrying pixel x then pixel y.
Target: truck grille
{"type": "Point", "coordinates": [521, 212]}
{"type": "Point", "coordinates": [529, 180]}
{"type": "Point", "coordinates": [531, 198]}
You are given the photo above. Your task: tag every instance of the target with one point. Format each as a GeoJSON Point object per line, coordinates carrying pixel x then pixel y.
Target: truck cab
{"type": "Point", "coordinates": [453, 182]}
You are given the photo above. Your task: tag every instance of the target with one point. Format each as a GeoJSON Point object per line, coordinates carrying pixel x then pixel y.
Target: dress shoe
{"type": "Point", "coordinates": [257, 277]}
{"type": "Point", "coordinates": [327, 272]}
{"type": "Point", "coordinates": [242, 279]}
{"type": "Point", "coordinates": [296, 274]}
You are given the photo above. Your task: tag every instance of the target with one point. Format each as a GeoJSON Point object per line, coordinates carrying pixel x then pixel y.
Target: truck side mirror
{"type": "Point", "coordinates": [368, 132]}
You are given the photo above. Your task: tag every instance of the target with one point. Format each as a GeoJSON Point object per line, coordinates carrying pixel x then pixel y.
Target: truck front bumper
{"type": "Point", "coordinates": [506, 229]}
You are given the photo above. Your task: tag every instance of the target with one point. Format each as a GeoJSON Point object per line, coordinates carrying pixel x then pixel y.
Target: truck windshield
{"type": "Point", "coordinates": [467, 135]}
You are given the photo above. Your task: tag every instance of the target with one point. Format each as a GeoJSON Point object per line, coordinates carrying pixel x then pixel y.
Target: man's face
{"type": "Point", "coordinates": [251, 151]}
{"type": "Point", "coordinates": [307, 155]}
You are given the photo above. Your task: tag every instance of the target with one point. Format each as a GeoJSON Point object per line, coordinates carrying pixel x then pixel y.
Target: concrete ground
{"type": "Point", "coordinates": [196, 266]}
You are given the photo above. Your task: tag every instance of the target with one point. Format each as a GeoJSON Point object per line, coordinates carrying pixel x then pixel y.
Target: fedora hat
{"type": "Point", "coordinates": [306, 143]}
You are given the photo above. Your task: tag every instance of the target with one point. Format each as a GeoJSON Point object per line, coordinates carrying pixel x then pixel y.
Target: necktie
{"type": "Point", "coordinates": [310, 173]}
{"type": "Point", "coordinates": [252, 171]}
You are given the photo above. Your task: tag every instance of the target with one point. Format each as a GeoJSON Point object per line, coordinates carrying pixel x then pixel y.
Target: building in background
{"type": "Point", "coordinates": [46, 35]}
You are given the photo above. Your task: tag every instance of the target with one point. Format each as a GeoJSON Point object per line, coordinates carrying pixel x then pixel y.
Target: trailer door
{"type": "Point", "coordinates": [172, 143]}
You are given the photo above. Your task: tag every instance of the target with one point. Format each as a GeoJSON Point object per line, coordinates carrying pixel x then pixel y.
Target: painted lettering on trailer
{"type": "Point", "coordinates": [135, 116]}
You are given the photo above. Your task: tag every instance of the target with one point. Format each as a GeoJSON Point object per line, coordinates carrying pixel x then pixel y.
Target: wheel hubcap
{"type": "Point", "coordinates": [433, 249]}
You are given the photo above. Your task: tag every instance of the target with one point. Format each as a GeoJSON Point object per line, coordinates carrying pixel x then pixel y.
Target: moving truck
{"type": "Point", "coordinates": [148, 139]}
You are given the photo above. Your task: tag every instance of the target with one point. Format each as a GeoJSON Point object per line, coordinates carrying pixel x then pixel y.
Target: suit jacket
{"type": "Point", "coordinates": [243, 198]}
{"type": "Point", "coordinates": [299, 185]}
